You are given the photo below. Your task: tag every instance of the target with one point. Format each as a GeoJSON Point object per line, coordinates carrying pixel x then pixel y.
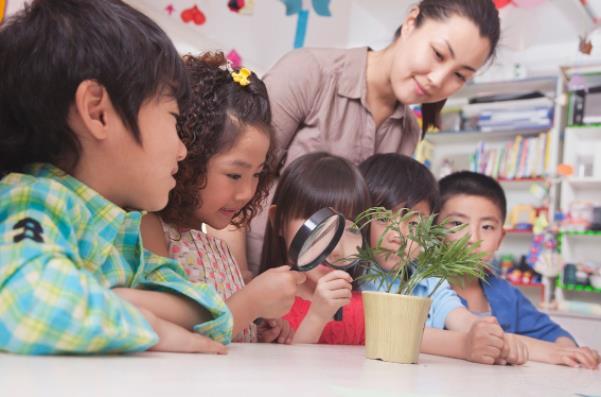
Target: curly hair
{"type": "Point", "coordinates": [217, 112]}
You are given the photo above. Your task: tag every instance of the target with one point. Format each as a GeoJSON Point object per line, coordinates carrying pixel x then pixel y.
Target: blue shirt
{"type": "Point", "coordinates": [444, 299]}
{"type": "Point", "coordinates": [516, 314]}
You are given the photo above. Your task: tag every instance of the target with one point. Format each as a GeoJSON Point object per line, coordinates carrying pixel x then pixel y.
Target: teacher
{"type": "Point", "coordinates": [354, 102]}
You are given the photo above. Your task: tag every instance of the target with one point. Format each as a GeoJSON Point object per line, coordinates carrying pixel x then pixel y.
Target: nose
{"type": "Point", "coordinates": [182, 150]}
{"type": "Point", "coordinates": [474, 231]}
{"type": "Point", "coordinates": [247, 191]}
{"type": "Point", "coordinates": [437, 77]}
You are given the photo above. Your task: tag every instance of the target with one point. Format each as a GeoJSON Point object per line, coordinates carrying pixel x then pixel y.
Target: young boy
{"type": "Point", "coordinates": [479, 201]}
{"type": "Point", "coordinates": [89, 96]}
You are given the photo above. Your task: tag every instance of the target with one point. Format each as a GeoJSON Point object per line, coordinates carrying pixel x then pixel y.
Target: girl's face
{"type": "Point", "coordinates": [391, 240]}
{"type": "Point", "coordinates": [232, 178]}
{"type": "Point", "coordinates": [434, 61]}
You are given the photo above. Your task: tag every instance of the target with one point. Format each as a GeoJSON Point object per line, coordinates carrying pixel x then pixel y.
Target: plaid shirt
{"type": "Point", "coordinates": [62, 247]}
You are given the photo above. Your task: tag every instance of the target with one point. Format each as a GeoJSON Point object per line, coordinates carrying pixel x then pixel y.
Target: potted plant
{"type": "Point", "coordinates": [394, 319]}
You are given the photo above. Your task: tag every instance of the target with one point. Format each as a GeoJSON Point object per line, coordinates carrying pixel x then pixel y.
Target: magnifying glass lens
{"type": "Point", "coordinates": [317, 242]}
{"type": "Point", "coordinates": [346, 252]}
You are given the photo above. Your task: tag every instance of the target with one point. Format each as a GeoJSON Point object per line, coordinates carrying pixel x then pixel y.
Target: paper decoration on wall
{"type": "Point", "coordinates": [321, 7]}
{"type": "Point", "coordinates": [527, 3]}
{"type": "Point", "coordinates": [170, 9]}
{"type": "Point", "coordinates": [518, 3]}
{"type": "Point", "coordinates": [585, 46]}
{"type": "Point", "coordinates": [244, 7]}
{"type": "Point", "coordinates": [501, 3]}
{"type": "Point", "coordinates": [2, 10]}
{"type": "Point", "coordinates": [235, 59]}
{"type": "Point", "coordinates": [194, 15]}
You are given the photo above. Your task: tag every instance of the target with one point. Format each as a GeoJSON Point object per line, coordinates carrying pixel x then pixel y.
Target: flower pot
{"type": "Point", "coordinates": [394, 326]}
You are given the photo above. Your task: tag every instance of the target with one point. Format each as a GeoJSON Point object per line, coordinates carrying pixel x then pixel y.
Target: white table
{"type": "Point", "coordinates": [283, 371]}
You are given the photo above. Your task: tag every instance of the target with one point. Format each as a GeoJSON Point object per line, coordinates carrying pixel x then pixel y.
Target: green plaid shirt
{"type": "Point", "coordinates": [62, 247]}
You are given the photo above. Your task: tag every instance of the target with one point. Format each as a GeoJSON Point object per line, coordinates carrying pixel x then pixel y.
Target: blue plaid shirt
{"type": "Point", "coordinates": [62, 248]}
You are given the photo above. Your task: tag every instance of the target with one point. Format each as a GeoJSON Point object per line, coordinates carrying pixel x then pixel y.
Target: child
{"type": "Point", "coordinates": [322, 180]}
{"type": "Point", "coordinates": [479, 201]}
{"type": "Point", "coordinates": [224, 179]}
{"type": "Point", "coordinates": [312, 182]}
{"type": "Point", "coordinates": [396, 182]}
{"type": "Point", "coordinates": [89, 96]}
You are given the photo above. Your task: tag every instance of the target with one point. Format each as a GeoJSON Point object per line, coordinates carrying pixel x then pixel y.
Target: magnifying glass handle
{"type": "Point", "coordinates": [338, 315]}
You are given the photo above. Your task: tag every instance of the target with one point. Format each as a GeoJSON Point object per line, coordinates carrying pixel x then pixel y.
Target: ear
{"type": "Point", "coordinates": [271, 215]}
{"type": "Point", "coordinates": [409, 22]}
{"type": "Point", "coordinates": [91, 107]}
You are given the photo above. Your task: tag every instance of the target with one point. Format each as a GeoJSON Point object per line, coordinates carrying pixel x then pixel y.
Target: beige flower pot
{"type": "Point", "coordinates": [394, 326]}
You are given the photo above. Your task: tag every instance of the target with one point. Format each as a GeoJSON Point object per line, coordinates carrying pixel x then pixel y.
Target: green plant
{"type": "Point", "coordinates": [439, 256]}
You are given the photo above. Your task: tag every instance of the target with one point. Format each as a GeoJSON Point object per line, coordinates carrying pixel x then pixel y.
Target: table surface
{"type": "Point", "coordinates": [284, 371]}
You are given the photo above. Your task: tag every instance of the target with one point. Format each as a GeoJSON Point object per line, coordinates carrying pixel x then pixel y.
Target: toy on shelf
{"type": "Point", "coordinates": [579, 217]}
{"type": "Point", "coordinates": [521, 217]}
{"type": "Point", "coordinates": [582, 276]}
{"type": "Point", "coordinates": [517, 272]}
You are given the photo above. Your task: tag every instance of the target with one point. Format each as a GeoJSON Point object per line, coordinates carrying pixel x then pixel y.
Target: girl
{"type": "Point", "coordinates": [225, 177]}
{"type": "Point", "coordinates": [312, 182]}
{"type": "Point", "coordinates": [354, 102]}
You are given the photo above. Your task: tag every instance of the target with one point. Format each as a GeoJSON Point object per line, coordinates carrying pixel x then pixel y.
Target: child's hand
{"type": "Point", "coordinates": [275, 330]}
{"type": "Point", "coordinates": [331, 293]}
{"type": "Point", "coordinates": [273, 291]}
{"type": "Point", "coordinates": [484, 341]}
{"type": "Point", "coordinates": [576, 357]}
{"type": "Point", "coordinates": [514, 351]}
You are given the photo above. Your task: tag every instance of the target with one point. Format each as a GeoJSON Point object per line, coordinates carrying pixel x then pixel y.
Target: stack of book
{"type": "Point", "coordinates": [520, 159]}
{"type": "Point", "coordinates": [534, 113]}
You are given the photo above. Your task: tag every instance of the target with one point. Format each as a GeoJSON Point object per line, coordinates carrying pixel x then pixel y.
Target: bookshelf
{"type": "Point", "coordinates": [471, 142]}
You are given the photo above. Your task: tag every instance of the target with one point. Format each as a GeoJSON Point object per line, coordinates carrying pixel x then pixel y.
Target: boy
{"type": "Point", "coordinates": [89, 96]}
{"type": "Point", "coordinates": [479, 201]}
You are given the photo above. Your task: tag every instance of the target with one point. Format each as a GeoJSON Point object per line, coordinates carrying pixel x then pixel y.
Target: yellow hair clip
{"type": "Point", "coordinates": [242, 77]}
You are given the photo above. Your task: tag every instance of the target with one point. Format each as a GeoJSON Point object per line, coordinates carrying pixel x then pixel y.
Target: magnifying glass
{"type": "Point", "coordinates": [326, 238]}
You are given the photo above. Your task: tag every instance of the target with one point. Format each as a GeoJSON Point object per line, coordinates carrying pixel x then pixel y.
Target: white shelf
{"type": "Point", "coordinates": [542, 84]}
{"type": "Point", "coordinates": [591, 131]}
{"type": "Point", "coordinates": [467, 136]}
{"type": "Point", "coordinates": [585, 183]}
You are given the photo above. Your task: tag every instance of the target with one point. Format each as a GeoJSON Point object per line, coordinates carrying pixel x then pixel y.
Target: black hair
{"type": "Point", "coordinates": [483, 13]}
{"type": "Point", "coordinates": [396, 180]}
{"type": "Point", "coordinates": [50, 47]}
{"type": "Point", "coordinates": [308, 184]}
{"type": "Point", "coordinates": [473, 184]}
{"type": "Point", "coordinates": [217, 112]}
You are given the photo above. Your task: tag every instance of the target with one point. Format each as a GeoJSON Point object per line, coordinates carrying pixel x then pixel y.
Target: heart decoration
{"type": "Point", "coordinates": [194, 15]}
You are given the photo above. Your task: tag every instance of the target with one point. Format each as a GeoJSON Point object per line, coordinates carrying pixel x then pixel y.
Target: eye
{"type": "Point", "coordinates": [461, 77]}
{"type": "Point", "coordinates": [438, 54]}
{"type": "Point", "coordinates": [488, 227]}
{"type": "Point", "coordinates": [234, 177]}
{"type": "Point", "coordinates": [455, 223]}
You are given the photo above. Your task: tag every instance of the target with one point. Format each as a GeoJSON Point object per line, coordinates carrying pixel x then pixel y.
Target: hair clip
{"type": "Point", "coordinates": [242, 77]}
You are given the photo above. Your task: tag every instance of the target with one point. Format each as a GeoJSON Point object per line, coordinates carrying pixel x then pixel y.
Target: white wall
{"type": "Point", "coordinates": [540, 39]}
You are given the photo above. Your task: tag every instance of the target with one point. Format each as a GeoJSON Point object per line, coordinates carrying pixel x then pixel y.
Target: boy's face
{"type": "Point", "coordinates": [148, 168]}
{"type": "Point", "coordinates": [391, 240]}
{"type": "Point", "coordinates": [483, 218]}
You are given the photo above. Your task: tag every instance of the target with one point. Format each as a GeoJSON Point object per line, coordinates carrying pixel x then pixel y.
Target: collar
{"type": "Point", "coordinates": [352, 79]}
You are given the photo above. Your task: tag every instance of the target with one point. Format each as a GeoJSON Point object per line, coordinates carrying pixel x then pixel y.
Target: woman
{"type": "Point", "coordinates": [354, 102]}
